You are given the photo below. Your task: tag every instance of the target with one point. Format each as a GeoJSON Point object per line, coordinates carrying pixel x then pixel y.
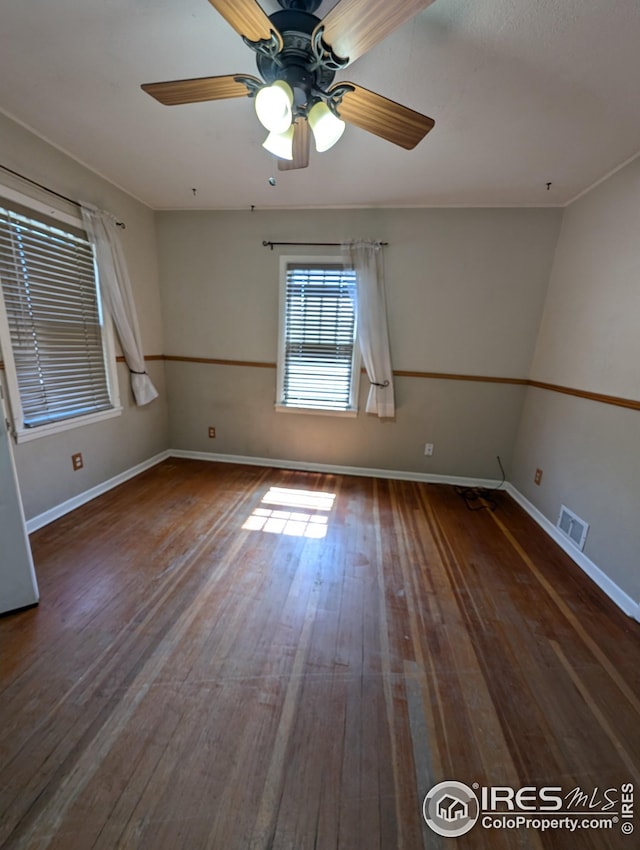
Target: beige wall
{"type": "Point", "coordinates": [468, 293]}
{"type": "Point", "coordinates": [465, 290]}
{"type": "Point", "coordinates": [590, 340]}
{"type": "Point", "coordinates": [113, 446]}
{"type": "Point", "coordinates": [469, 423]}
{"type": "Point", "coordinates": [589, 335]}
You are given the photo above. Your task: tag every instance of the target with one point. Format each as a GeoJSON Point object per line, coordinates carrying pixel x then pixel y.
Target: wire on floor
{"type": "Point", "coordinates": [480, 498]}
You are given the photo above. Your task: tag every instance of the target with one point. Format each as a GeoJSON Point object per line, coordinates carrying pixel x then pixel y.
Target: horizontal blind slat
{"type": "Point", "coordinates": [49, 287]}
{"type": "Point", "coordinates": [319, 336]}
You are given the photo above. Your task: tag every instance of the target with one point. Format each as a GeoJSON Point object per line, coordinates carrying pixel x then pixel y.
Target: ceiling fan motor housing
{"type": "Point", "coordinates": [296, 63]}
{"type": "Point", "coordinates": [303, 5]}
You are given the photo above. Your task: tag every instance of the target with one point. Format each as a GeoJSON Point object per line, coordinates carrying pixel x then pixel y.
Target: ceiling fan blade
{"type": "Point", "coordinates": [300, 148]}
{"type": "Point", "coordinates": [354, 26]}
{"type": "Point", "coordinates": [203, 88]}
{"type": "Point", "coordinates": [383, 117]}
{"type": "Point", "coordinates": [247, 18]}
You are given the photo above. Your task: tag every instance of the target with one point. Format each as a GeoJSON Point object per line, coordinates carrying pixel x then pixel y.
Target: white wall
{"type": "Point", "coordinates": [44, 465]}
{"type": "Point", "coordinates": [590, 340]}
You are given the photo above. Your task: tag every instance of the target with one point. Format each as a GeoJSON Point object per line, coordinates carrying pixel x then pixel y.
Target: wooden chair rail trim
{"type": "Point", "coordinates": [214, 361]}
{"type": "Point", "coordinates": [450, 376]}
{"type": "Point", "coordinates": [616, 401]}
{"type": "Point", "coordinates": [120, 358]}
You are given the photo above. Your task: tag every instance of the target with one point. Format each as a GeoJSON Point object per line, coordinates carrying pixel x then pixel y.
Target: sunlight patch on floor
{"type": "Point", "coordinates": [294, 513]}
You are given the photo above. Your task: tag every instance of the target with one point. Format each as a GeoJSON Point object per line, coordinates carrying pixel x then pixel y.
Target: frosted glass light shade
{"type": "Point", "coordinates": [273, 106]}
{"type": "Point", "coordinates": [326, 127]}
{"type": "Point", "coordinates": [280, 144]}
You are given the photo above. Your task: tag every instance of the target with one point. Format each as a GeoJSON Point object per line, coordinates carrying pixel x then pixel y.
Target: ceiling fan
{"type": "Point", "coordinates": [298, 56]}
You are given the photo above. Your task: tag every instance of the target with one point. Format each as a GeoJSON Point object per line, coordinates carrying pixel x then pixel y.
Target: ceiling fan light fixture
{"type": "Point", "coordinates": [280, 144]}
{"type": "Point", "coordinates": [298, 55]}
{"type": "Point", "coordinates": [326, 127]}
{"type": "Point", "coordinates": [274, 106]}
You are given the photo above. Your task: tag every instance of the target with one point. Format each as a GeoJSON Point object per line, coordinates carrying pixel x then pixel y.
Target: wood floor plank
{"type": "Point", "coordinates": [228, 657]}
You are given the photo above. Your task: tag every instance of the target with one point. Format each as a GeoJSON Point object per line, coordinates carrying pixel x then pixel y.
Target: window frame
{"type": "Point", "coordinates": [21, 434]}
{"type": "Point", "coordinates": [281, 407]}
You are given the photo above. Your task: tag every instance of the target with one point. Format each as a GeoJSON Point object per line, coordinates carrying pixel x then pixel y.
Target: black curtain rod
{"type": "Point", "coordinates": [323, 244]}
{"type": "Point", "coordinates": [50, 191]}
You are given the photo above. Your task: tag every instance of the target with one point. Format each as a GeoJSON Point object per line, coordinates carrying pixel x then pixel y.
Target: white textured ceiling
{"type": "Point", "coordinates": [523, 92]}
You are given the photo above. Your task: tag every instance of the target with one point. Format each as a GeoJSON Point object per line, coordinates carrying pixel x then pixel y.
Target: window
{"type": "Point", "coordinates": [55, 349]}
{"type": "Point", "coordinates": [318, 368]}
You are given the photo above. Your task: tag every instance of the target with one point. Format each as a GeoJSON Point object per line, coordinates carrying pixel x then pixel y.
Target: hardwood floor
{"type": "Point", "coordinates": [228, 657]}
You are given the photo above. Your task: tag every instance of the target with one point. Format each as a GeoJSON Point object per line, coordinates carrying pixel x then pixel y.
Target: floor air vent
{"type": "Point", "coordinates": [573, 527]}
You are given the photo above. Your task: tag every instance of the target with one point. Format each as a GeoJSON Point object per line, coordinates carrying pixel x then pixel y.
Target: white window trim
{"type": "Point", "coordinates": [19, 432]}
{"type": "Point", "coordinates": [350, 412]}
{"type": "Point", "coordinates": [12, 194]}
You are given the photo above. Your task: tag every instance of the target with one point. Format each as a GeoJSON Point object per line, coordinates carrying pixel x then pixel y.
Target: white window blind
{"type": "Point", "coordinates": [317, 368]}
{"type": "Point", "coordinates": [54, 319]}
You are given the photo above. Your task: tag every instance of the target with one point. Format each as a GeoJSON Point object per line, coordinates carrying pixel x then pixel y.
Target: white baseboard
{"type": "Point", "coordinates": [366, 472]}
{"type": "Point", "coordinates": [615, 593]}
{"type": "Point", "coordinates": [57, 511]}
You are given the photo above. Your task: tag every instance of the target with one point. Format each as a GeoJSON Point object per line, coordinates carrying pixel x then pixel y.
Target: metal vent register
{"type": "Point", "coordinates": [573, 527]}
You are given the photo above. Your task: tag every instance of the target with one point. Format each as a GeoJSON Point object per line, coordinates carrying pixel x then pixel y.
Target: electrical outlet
{"type": "Point", "coordinates": [537, 478]}
{"type": "Point", "coordinates": [77, 462]}
{"type": "Point", "coordinates": [428, 449]}
{"type": "Point", "coordinates": [212, 432]}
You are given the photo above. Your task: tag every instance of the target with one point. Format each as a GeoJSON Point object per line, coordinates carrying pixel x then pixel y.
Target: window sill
{"type": "Point", "coordinates": [349, 414]}
{"type": "Point", "coordinates": [27, 434]}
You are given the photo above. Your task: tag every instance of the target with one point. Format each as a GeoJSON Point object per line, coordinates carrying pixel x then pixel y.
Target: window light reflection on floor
{"type": "Point", "coordinates": [293, 513]}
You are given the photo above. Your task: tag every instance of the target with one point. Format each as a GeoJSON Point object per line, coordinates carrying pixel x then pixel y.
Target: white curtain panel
{"type": "Point", "coordinates": [115, 286]}
{"type": "Point", "coordinates": [373, 335]}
